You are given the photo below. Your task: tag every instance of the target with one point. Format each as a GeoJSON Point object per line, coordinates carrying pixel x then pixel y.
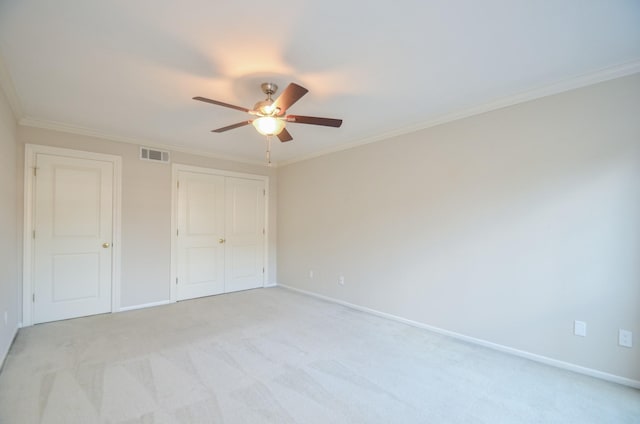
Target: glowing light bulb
{"type": "Point", "coordinates": [268, 110]}
{"type": "Point", "coordinates": [268, 125]}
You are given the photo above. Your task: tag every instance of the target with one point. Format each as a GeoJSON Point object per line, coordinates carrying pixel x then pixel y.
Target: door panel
{"type": "Point", "coordinates": [199, 264]}
{"type": "Point", "coordinates": [200, 267]}
{"type": "Point", "coordinates": [73, 206]}
{"type": "Point", "coordinates": [68, 269]}
{"type": "Point", "coordinates": [76, 201]}
{"type": "Point", "coordinates": [244, 259]}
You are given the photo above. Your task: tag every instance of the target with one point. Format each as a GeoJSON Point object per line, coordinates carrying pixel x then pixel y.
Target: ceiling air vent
{"type": "Point", "coordinates": [154, 155]}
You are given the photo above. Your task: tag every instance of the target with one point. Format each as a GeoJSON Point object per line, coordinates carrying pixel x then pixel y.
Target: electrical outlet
{"type": "Point", "coordinates": [580, 328]}
{"type": "Point", "coordinates": [341, 280]}
{"type": "Point", "coordinates": [625, 338]}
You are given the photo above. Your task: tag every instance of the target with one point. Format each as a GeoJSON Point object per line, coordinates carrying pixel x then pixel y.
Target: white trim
{"type": "Point", "coordinates": [9, 89]}
{"type": "Point", "coordinates": [145, 305]}
{"type": "Point", "coordinates": [177, 167]}
{"type": "Point", "coordinates": [3, 355]}
{"type": "Point", "coordinates": [28, 121]}
{"type": "Point", "coordinates": [116, 278]}
{"type": "Point", "coordinates": [265, 259]}
{"type": "Point", "coordinates": [495, 346]}
{"type": "Point", "coordinates": [221, 172]}
{"type": "Point", "coordinates": [173, 272]}
{"type": "Point", "coordinates": [27, 279]}
{"type": "Point", "coordinates": [583, 80]}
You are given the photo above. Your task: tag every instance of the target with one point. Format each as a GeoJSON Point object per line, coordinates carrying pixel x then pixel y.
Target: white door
{"type": "Point", "coordinates": [220, 234]}
{"type": "Point", "coordinates": [73, 207]}
{"type": "Point", "coordinates": [200, 235]}
{"type": "Point", "coordinates": [244, 229]}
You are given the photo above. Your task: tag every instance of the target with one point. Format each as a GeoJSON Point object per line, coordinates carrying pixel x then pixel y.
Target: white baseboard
{"type": "Point", "coordinates": [162, 302]}
{"type": "Point", "coordinates": [145, 305]}
{"type": "Point", "coordinates": [495, 346]}
{"type": "Point", "coordinates": [3, 355]}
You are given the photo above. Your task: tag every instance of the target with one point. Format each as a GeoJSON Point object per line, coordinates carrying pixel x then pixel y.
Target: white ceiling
{"type": "Point", "coordinates": [128, 69]}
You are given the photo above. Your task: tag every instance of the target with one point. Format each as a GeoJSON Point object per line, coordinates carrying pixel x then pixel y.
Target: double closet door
{"type": "Point", "coordinates": [220, 234]}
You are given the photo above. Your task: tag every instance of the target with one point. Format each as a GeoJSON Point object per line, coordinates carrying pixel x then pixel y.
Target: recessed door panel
{"type": "Point", "coordinates": [70, 269]}
{"type": "Point", "coordinates": [201, 264]}
{"type": "Point", "coordinates": [244, 261]}
{"type": "Point", "coordinates": [244, 207]}
{"type": "Point", "coordinates": [203, 199]}
{"type": "Point", "coordinates": [76, 202]}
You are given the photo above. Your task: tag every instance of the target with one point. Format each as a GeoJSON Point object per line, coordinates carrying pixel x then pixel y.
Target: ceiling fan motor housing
{"type": "Point", "coordinates": [264, 107]}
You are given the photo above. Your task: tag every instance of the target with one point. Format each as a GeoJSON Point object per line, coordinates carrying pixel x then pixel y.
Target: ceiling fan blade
{"type": "Point", "coordinates": [231, 127]}
{"type": "Point", "coordinates": [215, 102]}
{"type": "Point", "coordinates": [289, 96]}
{"type": "Point", "coordinates": [284, 135]}
{"type": "Point", "coordinates": [327, 122]}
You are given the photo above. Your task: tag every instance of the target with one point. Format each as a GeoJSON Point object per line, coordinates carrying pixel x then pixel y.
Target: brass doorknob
{"type": "Point", "coordinates": [221, 241]}
{"type": "Point", "coordinates": [105, 245]}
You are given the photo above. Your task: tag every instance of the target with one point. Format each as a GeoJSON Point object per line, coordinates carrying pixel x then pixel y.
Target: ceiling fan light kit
{"type": "Point", "coordinates": [268, 125]}
{"type": "Point", "coordinates": [271, 117]}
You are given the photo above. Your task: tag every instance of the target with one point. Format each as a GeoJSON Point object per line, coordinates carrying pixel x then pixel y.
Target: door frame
{"type": "Point", "coordinates": [175, 169]}
{"type": "Point", "coordinates": [31, 150]}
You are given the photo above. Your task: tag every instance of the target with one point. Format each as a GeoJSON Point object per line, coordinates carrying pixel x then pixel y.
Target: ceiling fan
{"type": "Point", "coordinates": [270, 115]}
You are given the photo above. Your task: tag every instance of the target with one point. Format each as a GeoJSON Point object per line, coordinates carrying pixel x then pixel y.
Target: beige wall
{"type": "Point", "coordinates": [506, 226]}
{"type": "Point", "coordinates": [146, 209]}
{"type": "Point", "coordinates": [10, 255]}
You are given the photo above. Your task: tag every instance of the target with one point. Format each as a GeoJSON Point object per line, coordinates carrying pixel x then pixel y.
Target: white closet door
{"type": "Point", "coordinates": [200, 240]}
{"type": "Point", "coordinates": [73, 207]}
{"type": "Point", "coordinates": [244, 246]}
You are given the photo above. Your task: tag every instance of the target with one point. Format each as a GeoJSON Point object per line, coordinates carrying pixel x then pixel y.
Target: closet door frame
{"type": "Point", "coordinates": [31, 152]}
{"type": "Point", "coordinates": [175, 169]}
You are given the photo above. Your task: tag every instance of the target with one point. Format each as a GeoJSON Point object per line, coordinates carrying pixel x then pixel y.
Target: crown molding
{"type": "Point", "coordinates": [579, 81]}
{"type": "Point", "coordinates": [7, 86]}
{"type": "Point", "coordinates": [72, 129]}
{"type": "Point", "coordinates": [583, 80]}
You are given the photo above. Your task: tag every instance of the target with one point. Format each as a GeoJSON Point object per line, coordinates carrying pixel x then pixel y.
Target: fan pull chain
{"type": "Point", "coordinates": [268, 155]}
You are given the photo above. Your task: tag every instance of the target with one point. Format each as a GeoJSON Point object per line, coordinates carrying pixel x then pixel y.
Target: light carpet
{"type": "Point", "coordinates": [276, 356]}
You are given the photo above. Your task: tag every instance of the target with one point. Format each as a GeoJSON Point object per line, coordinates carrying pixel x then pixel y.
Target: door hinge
{"type": "Point", "coordinates": [35, 171]}
{"type": "Point", "coordinates": [176, 280]}
{"type": "Point", "coordinates": [263, 232]}
{"type": "Point", "coordinates": [34, 234]}
{"type": "Point", "coordinates": [264, 191]}
{"type": "Point", "coordinates": [33, 297]}
{"type": "Point", "coordinates": [263, 270]}
{"type": "Point", "coordinates": [177, 184]}
{"type": "Point", "coordinates": [177, 232]}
